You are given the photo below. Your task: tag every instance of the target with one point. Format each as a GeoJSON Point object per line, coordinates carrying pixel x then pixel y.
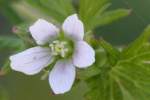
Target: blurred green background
{"type": "Point", "coordinates": [17, 86]}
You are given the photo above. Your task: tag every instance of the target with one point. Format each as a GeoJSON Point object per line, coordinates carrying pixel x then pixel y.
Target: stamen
{"type": "Point", "coordinates": [59, 48]}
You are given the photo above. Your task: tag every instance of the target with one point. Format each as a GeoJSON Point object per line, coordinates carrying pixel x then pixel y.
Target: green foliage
{"type": "Point", "coordinates": [113, 54]}
{"type": "Point", "coordinates": [128, 78]}
{"type": "Point", "coordinates": [56, 9]}
{"type": "Point", "coordinates": [90, 8]}
{"type": "Point", "coordinates": [93, 13]}
{"type": "Point", "coordinates": [89, 72]}
{"type": "Point", "coordinates": [137, 44]}
{"type": "Point", "coordinates": [109, 17]}
{"type": "Point", "coordinates": [8, 12]}
{"type": "Point", "coordinates": [12, 43]}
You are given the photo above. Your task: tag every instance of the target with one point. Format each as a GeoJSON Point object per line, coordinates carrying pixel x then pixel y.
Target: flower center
{"type": "Point", "coordinates": [59, 48]}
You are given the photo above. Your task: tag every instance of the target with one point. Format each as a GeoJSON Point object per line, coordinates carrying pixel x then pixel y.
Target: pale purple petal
{"type": "Point", "coordinates": [43, 31]}
{"type": "Point", "coordinates": [31, 61]}
{"type": "Point", "coordinates": [84, 55]}
{"type": "Point", "coordinates": [62, 76]}
{"type": "Point", "coordinates": [73, 27]}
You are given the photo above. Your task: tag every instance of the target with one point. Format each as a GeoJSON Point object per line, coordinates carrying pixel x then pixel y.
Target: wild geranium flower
{"type": "Point", "coordinates": [66, 47]}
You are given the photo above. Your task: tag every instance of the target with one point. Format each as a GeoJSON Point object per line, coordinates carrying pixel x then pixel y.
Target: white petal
{"type": "Point", "coordinates": [62, 76]}
{"type": "Point", "coordinates": [42, 31]}
{"type": "Point", "coordinates": [84, 55]}
{"type": "Point", "coordinates": [31, 61]}
{"type": "Point", "coordinates": [73, 27]}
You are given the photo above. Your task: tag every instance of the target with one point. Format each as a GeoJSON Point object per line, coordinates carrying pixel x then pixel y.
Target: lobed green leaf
{"type": "Point", "coordinates": [128, 78]}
